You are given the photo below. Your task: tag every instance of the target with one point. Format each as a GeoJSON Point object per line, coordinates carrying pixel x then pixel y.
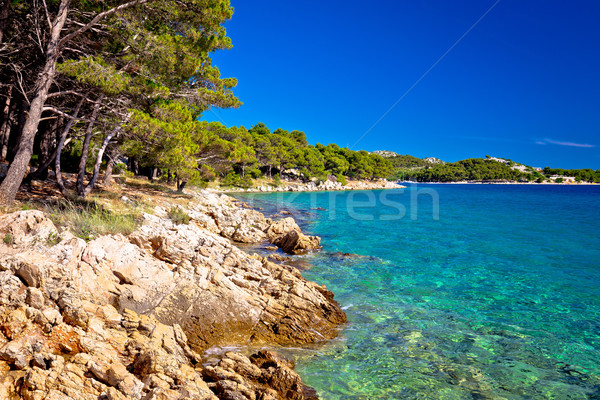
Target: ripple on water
{"type": "Point", "coordinates": [499, 298]}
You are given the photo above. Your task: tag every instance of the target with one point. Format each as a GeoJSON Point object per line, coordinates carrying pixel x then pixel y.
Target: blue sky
{"type": "Point", "coordinates": [523, 84]}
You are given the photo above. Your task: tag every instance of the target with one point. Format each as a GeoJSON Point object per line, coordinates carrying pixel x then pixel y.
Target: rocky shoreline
{"type": "Point", "coordinates": [129, 317]}
{"type": "Point", "coordinates": [500, 183]}
{"type": "Point", "coordinates": [328, 185]}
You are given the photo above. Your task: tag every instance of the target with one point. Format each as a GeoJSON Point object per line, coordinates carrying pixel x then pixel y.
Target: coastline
{"type": "Point", "coordinates": [186, 284]}
{"type": "Point", "coordinates": [502, 183]}
{"type": "Point", "coordinates": [326, 186]}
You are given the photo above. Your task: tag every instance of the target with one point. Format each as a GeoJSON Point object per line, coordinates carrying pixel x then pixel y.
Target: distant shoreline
{"type": "Point", "coordinates": [327, 186]}
{"type": "Point", "coordinates": [502, 183]}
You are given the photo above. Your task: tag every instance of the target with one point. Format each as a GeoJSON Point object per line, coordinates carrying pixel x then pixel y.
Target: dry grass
{"type": "Point", "coordinates": [88, 219]}
{"type": "Point", "coordinates": [117, 209]}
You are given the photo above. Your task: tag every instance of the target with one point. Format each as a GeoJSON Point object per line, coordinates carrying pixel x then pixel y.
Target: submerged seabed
{"type": "Point", "coordinates": [498, 298]}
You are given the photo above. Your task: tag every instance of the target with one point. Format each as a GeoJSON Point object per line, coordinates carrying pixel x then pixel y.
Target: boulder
{"type": "Point", "coordinates": [295, 242]}
{"type": "Point", "coordinates": [287, 235]}
{"type": "Point", "coordinates": [265, 375]}
{"type": "Point", "coordinates": [29, 227]}
{"type": "Point", "coordinates": [281, 227]}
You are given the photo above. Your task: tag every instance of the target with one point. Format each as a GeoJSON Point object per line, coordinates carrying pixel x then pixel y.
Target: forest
{"type": "Point", "coordinates": [473, 169]}
{"type": "Point", "coordinates": [580, 175]}
{"type": "Point", "coordinates": [482, 169]}
{"type": "Point", "coordinates": [88, 85]}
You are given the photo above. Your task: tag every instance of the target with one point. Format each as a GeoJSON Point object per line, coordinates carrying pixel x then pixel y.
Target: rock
{"type": "Point", "coordinates": [295, 242]}
{"type": "Point", "coordinates": [29, 227]}
{"type": "Point", "coordinates": [230, 220]}
{"type": "Point", "coordinates": [287, 235]}
{"type": "Point", "coordinates": [17, 352]}
{"type": "Point", "coordinates": [222, 291]}
{"type": "Point", "coordinates": [278, 257]}
{"type": "Point", "coordinates": [346, 255]}
{"type": "Point", "coordinates": [264, 375]}
{"type": "Point", "coordinates": [248, 234]}
{"type": "Point", "coordinates": [30, 274]}
{"type": "Point", "coordinates": [40, 361]}
{"type": "Point", "coordinates": [35, 298]}
{"type": "Point", "coordinates": [281, 227]}
{"type": "Point", "coordinates": [53, 316]}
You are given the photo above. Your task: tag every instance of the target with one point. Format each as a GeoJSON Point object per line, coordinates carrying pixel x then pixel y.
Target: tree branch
{"type": "Point", "coordinates": [100, 16]}
{"type": "Point", "coordinates": [64, 114]}
{"type": "Point", "coordinates": [47, 14]}
{"type": "Point", "coordinates": [64, 93]}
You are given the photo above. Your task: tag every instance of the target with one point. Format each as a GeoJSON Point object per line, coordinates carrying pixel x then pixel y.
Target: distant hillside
{"type": "Point", "coordinates": [405, 161]}
{"type": "Point", "coordinates": [489, 169]}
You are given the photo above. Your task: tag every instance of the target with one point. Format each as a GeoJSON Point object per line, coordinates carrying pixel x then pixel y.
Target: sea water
{"type": "Point", "coordinates": [455, 291]}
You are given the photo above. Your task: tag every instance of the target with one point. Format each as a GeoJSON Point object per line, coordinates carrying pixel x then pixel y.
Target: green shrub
{"type": "Point", "coordinates": [201, 183]}
{"type": "Point", "coordinates": [178, 216]}
{"type": "Point", "coordinates": [234, 180]}
{"type": "Point", "coordinates": [341, 179]}
{"type": "Point", "coordinates": [52, 239]}
{"type": "Point", "coordinates": [127, 173]}
{"type": "Point", "coordinates": [559, 180]}
{"type": "Point", "coordinates": [255, 173]}
{"type": "Point", "coordinates": [119, 168]}
{"type": "Point", "coordinates": [277, 180]}
{"type": "Point", "coordinates": [8, 239]}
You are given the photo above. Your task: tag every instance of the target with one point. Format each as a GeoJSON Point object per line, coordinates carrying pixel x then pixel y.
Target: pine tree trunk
{"type": "Point", "coordinates": [133, 166]}
{"type": "Point", "coordinates": [107, 179]}
{"type": "Point", "coordinates": [42, 171]}
{"type": "Point", "coordinates": [46, 144]}
{"type": "Point", "coordinates": [15, 136]}
{"type": "Point", "coordinates": [85, 150]}
{"type": "Point", "coordinates": [153, 174]}
{"type": "Point", "coordinates": [59, 147]}
{"type": "Point", "coordinates": [88, 189]}
{"type": "Point", "coordinates": [6, 125]}
{"type": "Point", "coordinates": [18, 167]}
{"type": "Point", "coordinates": [4, 12]}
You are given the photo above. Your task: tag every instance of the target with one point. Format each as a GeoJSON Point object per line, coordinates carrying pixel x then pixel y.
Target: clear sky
{"type": "Point", "coordinates": [523, 84]}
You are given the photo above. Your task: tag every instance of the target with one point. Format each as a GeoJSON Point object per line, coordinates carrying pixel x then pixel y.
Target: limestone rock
{"type": "Point", "coordinates": [225, 295]}
{"type": "Point", "coordinates": [35, 298]}
{"type": "Point", "coordinates": [126, 318]}
{"type": "Point", "coordinates": [264, 375]}
{"type": "Point", "coordinates": [27, 227]}
{"type": "Point", "coordinates": [287, 235]}
{"type": "Point", "coordinates": [295, 242]}
{"type": "Point", "coordinates": [281, 227]}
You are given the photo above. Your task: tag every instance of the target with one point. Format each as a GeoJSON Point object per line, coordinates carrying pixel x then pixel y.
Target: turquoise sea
{"type": "Point", "coordinates": [455, 291]}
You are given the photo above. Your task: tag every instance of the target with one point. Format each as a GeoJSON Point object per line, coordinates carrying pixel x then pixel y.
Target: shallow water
{"type": "Point", "coordinates": [499, 297]}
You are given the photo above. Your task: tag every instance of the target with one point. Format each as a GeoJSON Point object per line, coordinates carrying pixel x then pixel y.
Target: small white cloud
{"type": "Point", "coordinates": [568, 144]}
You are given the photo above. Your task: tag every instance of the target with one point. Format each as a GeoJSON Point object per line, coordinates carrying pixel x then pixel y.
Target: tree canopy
{"type": "Point", "coordinates": [92, 66]}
